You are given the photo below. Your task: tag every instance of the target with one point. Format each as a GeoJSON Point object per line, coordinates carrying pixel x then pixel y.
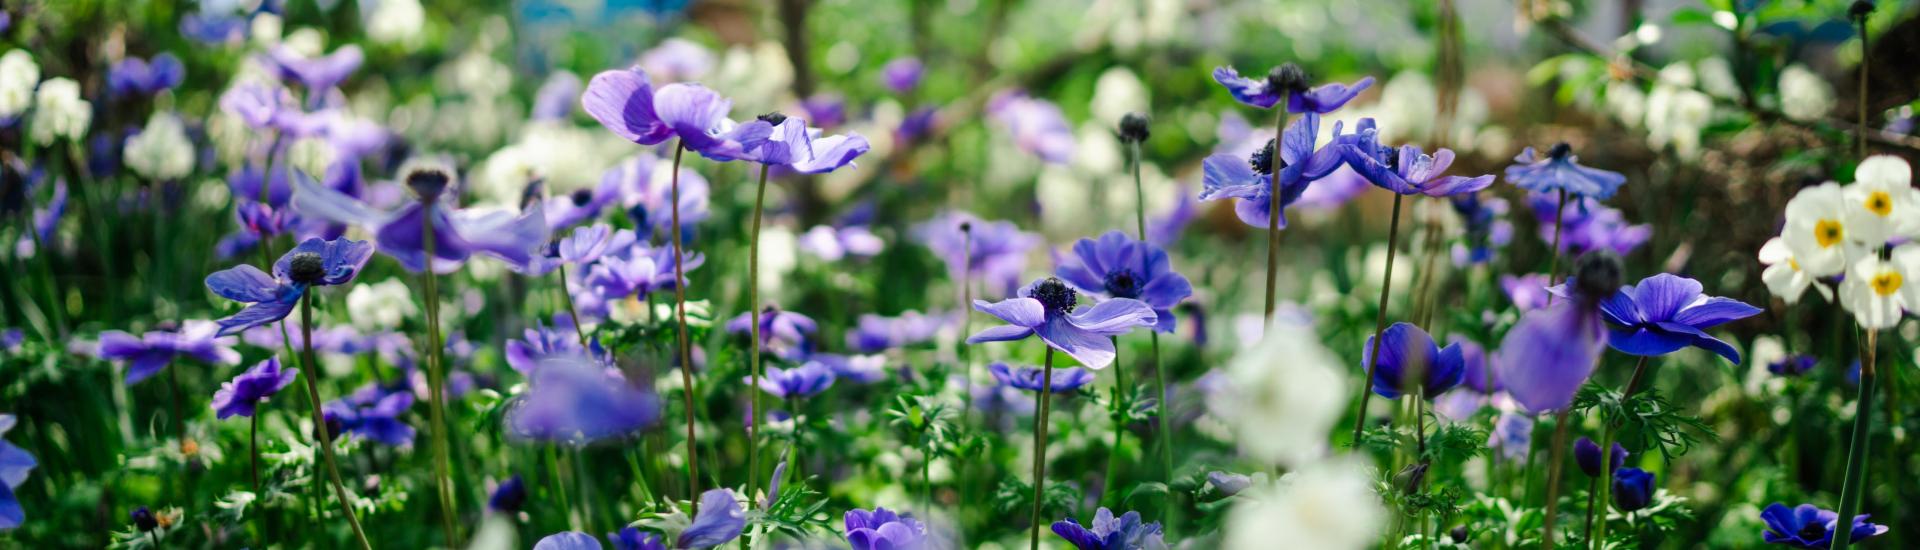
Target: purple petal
{"type": "Point", "coordinates": [1002, 333]}
{"type": "Point", "coordinates": [1250, 91]}
{"type": "Point", "coordinates": [1661, 296]}
{"type": "Point", "coordinates": [623, 102]}
{"type": "Point", "coordinates": [1023, 312]}
{"type": "Point", "coordinates": [1116, 316]}
{"type": "Point", "coordinates": [244, 283]}
{"type": "Point", "coordinates": [1548, 355]}
{"type": "Point", "coordinates": [1714, 311]}
{"type": "Point", "coordinates": [1089, 348]}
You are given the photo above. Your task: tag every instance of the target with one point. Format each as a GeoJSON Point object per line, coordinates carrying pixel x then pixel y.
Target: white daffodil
{"type": "Point", "coordinates": [1880, 201]}
{"type": "Point", "coordinates": [161, 151]}
{"type": "Point", "coordinates": [1878, 291]}
{"type": "Point", "coordinates": [1817, 232]}
{"type": "Point", "coordinates": [59, 112]}
{"type": "Point", "coordinates": [18, 75]}
{"type": "Point", "coordinates": [1329, 505]}
{"type": "Point", "coordinates": [1783, 276]}
{"type": "Point", "coordinates": [1284, 394]}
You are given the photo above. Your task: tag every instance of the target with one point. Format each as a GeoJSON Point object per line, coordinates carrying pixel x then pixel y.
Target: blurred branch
{"type": "Point", "coordinates": [1646, 73]}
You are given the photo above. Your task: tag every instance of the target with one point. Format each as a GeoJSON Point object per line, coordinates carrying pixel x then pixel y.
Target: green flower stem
{"type": "Point", "coordinates": [753, 304]}
{"type": "Point", "coordinates": [680, 319]}
{"type": "Point", "coordinates": [1040, 447]}
{"type": "Point", "coordinates": [436, 388]}
{"type": "Point", "coordinates": [1273, 211]}
{"type": "Point", "coordinates": [1853, 485]}
{"type": "Point", "coordinates": [1606, 461]}
{"type": "Point", "coordinates": [1558, 457]}
{"type": "Point", "coordinates": [324, 436]}
{"type": "Point", "coordinates": [1380, 318]}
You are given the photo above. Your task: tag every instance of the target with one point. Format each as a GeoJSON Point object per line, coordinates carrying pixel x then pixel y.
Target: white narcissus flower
{"type": "Point", "coordinates": [382, 305]}
{"type": "Point", "coordinates": [1817, 231]}
{"type": "Point", "coordinates": [1783, 276]}
{"type": "Point", "coordinates": [1284, 395]}
{"type": "Point", "coordinates": [161, 151]}
{"type": "Point", "coordinates": [1880, 202]}
{"type": "Point", "coordinates": [1878, 291]}
{"type": "Point", "coordinates": [1328, 505]}
{"type": "Point", "coordinates": [59, 112]}
{"type": "Point", "coordinates": [1804, 95]}
{"type": "Point", "coordinates": [18, 75]}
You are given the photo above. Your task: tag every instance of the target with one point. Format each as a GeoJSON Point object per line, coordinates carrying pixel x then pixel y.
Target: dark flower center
{"type": "Point", "coordinates": [1264, 161]}
{"type": "Point", "coordinates": [1860, 9]}
{"type": "Point", "coordinates": [1390, 156]}
{"type": "Point", "coordinates": [428, 183]}
{"type": "Point", "coordinates": [1287, 79]}
{"type": "Point", "coordinates": [1813, 530]}
{"type": "Point", "coordinates": [1055, 296]}
{"type": "Point", "coordinates": [1597, 274]}
{"type": "Point", "coordinates": [144, 520]}
{"type": "Point", "coordinates": [581, 197]}
{"type": "Point", "coordinates": [1560, 151]}
{"type": "Point", "coordinates": [774, 118]}
{"type": "Point", "coordinates": [1133, 128]}
{"type": "Point", "coordinates": [307, 268]}
{"type": "Point", "coordinates": [1123, 284]}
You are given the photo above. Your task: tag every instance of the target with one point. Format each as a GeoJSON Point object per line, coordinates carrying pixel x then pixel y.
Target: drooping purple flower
{"type": "Point", "coordinates": [577, 399]}
{"type": "Point", "coordinates": [317, 74]}
{"type": "Point", "coordinates": [1036, 125]}
{"type": "Point", "coordinates": [1632, 489]}
{"type": "Point", "coordinates": [555, 99]}
{"type": "Point", "coordinates": [1586, 453]}
{"type": "Point", "coordinates": [148, 353]}
{"type": "Point", "coordinates": [721, 519]}
{"type": "Point", "coordinates": [1405, 170]}
{"type": "Point", "coordinates": [512, 237]}
{"type": "Point", "coordinates": [313, 263]}
{"type": "Point", "coordinates": [646, 194]}
{"type": "Point", "coordinates": [1046, 308]}
{"type": "Point", "coordinates": [1550, 352]}
{"type": "Point", "coordinates": [994, 252]}
{"type": "Point", "coordinates": [1292, 82]}
{"type": "Point", "coordinates": [902, 74]}
{"type": "Point", "coordinates": [785, 333]}
{"type": "Point", "coordinates": [836, 243]}
{"type": "Point", "coordinates": [1477, 369]}
{"type": "Point", "coordinates": [1811, 527]}
{"type": "Point", "coordinates": [1559, 171]}
{"type": "Point", "coordinates": [875, 333]}
{"type": "Point", "coordinates": [1117, 266]}
{"type": "Point", "coordinates": [1251, 180]}
{"type": "Point", "coordinates": [1126, 532]}
{"type": "Point", "coordinates": [799, 382]}
{"type": "Point", "coordinates": [1065, 380]}
{"type": "Point", "coordinates": [793, 145]}
{"type": "Point", "coordinates": [1666, 312]}
{"type": "Point", "coordinates": [135, 76]}
{"type": "Point", "coordinates": [644, 271]}
{"type": "Point", "coordinates": [373, 413]}
{"type": "Point", "coordinates": [1793, 365]}
{"type": "Point", "coordinates": [568, 540]}
{"type": "Point", "coordinates": [15, 464]}
{"type": "Point", "coordinates": [882, 529]}
{"type": "Point", "coordinates": [626, 103]}
{"type": "Point", "coordinates": [240, 395]}
{"type": "Point", "coordinates": [1587, 225]}
{"type": "Point", "coordinates": [1407, 351]}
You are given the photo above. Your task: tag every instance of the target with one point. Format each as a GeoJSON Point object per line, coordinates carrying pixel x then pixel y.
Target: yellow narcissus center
{"type": "Point", "coordinates": [1887, 283]}
{"type": "Point", "coordinates": [1880, 203]}
{"type": "Point", "coordinates": [1828, 233]}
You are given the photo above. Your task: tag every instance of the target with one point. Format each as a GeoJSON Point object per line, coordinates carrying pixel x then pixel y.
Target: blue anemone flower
{"type": "Point", "coordinates": [1292, 82]}
{"type": "Point", "coordinates": [1405, 350]}
{"type": "Point", "coordinates": [15, 464]}
{"type": "Point", "coordinates": [1117, 266]}
{"type": "Point", "coordinates": [1405, 170]}
{"type": "Point", "coordinates": [313, 263]}
{"type": "Point", "coordinates": [1811, 527]}
{"type": "Point", "coordinates": [803, 381]}
{"type": "Point", "coordinates": [509, 496]}
{"type": "Point", "coordinates": [1046, 308]}
{"type": "Point", "coordinates": [1560, 170]}
{"type": "Point", "coordinates": [882, 529]}
{"type": "Point", "coordinates": [721, 519]}
{"type": "Point", "coordinates": [513, 237]}
{"type": "Point", "coordinates": [786, 334]}
{"type": "Point", "coordinates": [626, 103]}
{"type": "Point", "coordinates": [577, 399]}
{"type": "Point", "coordinates": [631, 538]}
{"type": "Point", "coordinates": [1586, 453]}
{"type": "Point", "coordinates": [1126, 532]}
{"type": "Point", "coordinates": [1666, 312]}
{"type": "Point", "coordinates": [1065, 380]}
{"type": "Point", "coordinates": [1545, 358]}
{"type": "Point", "coordinates": [148, 353]}
{"type": "Point", "coordinates": [1251, 180]}
{"type": "Point", "coordinates": [568, 540]}
{"type": "Point", "coordinates": [374, 415]}
{"type": "Point", "coordinates": [135, 76]}
{"type": "Point", "coordinates": [240, 395]}
{"type": "Point", "coordinates": [1633, 489]}
{"type": "Point", "coordinates": [796, 146]}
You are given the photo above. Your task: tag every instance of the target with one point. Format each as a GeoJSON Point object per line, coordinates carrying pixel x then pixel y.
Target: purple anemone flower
{"type": "Point", "coordinates": [1036, 125]}
{"type": "Point", "coordinates": [577, 399]}
{"type": "Point", "coordinates": [1586, 453]}
{"type": "Point", "coordinates": [568, 540]}
{"type": "Point", "coordinates": [1550, 352]}
{"type": "Point", "coordinates": [317, 74]}
{"type": "Point", "coordinates": [1407, 351]}
{"type": "Point", "coordinates": [554, 99]}
{"type": "Point", "coordinates": [1527, 292]}
{"type": "Point", "coordinates": [240, 395]}
{"type": "Point", "coordinates": [974, 249]}
{"type": "Point", "coordinates": [1228, 483]}
{"type": "Point", "coordinates": [135, 76]}
{"type": "Point", "coordinates": [632, 538]}
{"type": "Point", "coordinates": [1587, 225]}
{"type": "Point", "coordinates": [1793, 365]}
{"type": "Point", "coordinates": [858, 369]}
{"type": "Point", "coordinates": [795, 146]}
{"type": "Point", "coordinates": [1406, 170]}
{"type": "Point", "coordinates": [799, 382]}
{"type": "Point", "coordinates": [1116, 266]}
{"type": "Point", "coordinates": [373, 413]}
{"type": "Point", "coordinates": [1045, 308]}
{"type": "Point", "coordinates": [1512, 435]}
{"type": "Point", "coordinates": [644, 271]}
{"type": "Point", "coordinates": [1227, 176]}
{"type": "Point", "coordinates": [1126, 532]}
{"type": "Point", "coordinates": [1485, 226]}
{"type": "Point", "coordinates": [582, 204]}
{"type": "Point", "coordinates": [313, 263]}
{"type": "Point", "coordinates": [261, 220]}
{"type": "Point", "coordinates": [509, 497]}
{"type": "Point", "coordinates": [1065, 380]}
{"type": "Point", "coordinates": [148, 353]}
{"type": "Point", "coordinates": [626, 103]}
{"type": "Point", "coordinates": [882, 529]}
{"type": "Point", "coordinates": [1811, 527]}
{"type": "Point", "coordinates": [458, 234]}
{"type": "Point", "coordinates": [543, 342]}
{"type": "Point", "coordinates": [1666, 312]}
{"type": "Point", "coordinates": [1633, 489]}
{"type": "Point", "coordinates": [257, 104]}
{"type": "Point", "coordinates": [837, 243]}
{"type": "Point", "coordinates": [785, 333]}
{"type": "Point", "coordinates": [875, 333]}
{"type": "Point", "coordinates": [583, 246]}
{"type": "Point", "coordinates": [721, 519]}
{"type": "Point", "coordinates": [903, 74]}
{"type": "Point", "coordinates": [1288, 79]}
{"type": "Point", "coordinates": [1559, 171]}
{"type": "Point", "coordinates": [15, 464]}
{"type": "Point", "coordinates": [1478, 371]}
{"type": "Point", "coordinates": [645, 193]}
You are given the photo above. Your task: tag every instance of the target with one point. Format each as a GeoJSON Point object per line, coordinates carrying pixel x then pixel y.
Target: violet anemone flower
{"type": "Point", "coordinates": [1793, 365]}
{"type": "Point", "coordinates": [458, 234]}
{"type": "Point", "coordinates": [542, 342]}
{"type": "Point", "coordinates": [876, 333]}
{"type": "Point", "coordinates": [135, 76]}
{"type": "Point", "coordinates": [882, 529]}
{"type": "Point", "coordinates": [148, 353]}
{"type": "Point", "coordinates": [721, 519]}
{"type": "Point", "coordinates": [1666, 312]}
{"type": "Point", "coordinates": [642, 272]}
{"type": "Point", "coordinates": [837, 243]}
{"type": "Point", "coordinates": [1587, 225]}
{"type": "Point", "coordinates": [1485, 227]}
{"type": "Point", "coordinates": [1407, 351]}
{"type": "Point", "coordinates": [15, 464]}
{"type": "Point", "coordinates": [1228, 483]}
{"type": "Point", "coordinates": [1633, 489]}
{"type": "Point", "coordinates": [786, 334]}
{"type": "Point", "coordinates": [372, 413]}
{"type": "Point", "coordinates": [583, 246]}
{"type": "Point", "coordinates": [1405, 170]}
{"type": "Point", "coordinates": [554, 99]}
{"type": "Point", "coordinates": [1067, 380]}
{"type": "Point", "coordinates": [1251, 181]}
{"type": "Point", "coordinates": [567, 540]}
{"type": "Point", "coordinates": [509, 496]}
{"type": "Point", "coordinates": [632, 538]}
{"type": "Point", "coordinates": [313, 263]}
{"type": "Point", "coordinates": [1527, 292]}
{"type": "Point", "coordinates": [1559, 171]}
{"type": "Point", "coordinates": [317, 74]}
{"type": "Point", "coordinates": [240, 395]}
{"type": "Point", "coordinates": [902, 74]}
{"type": "Point", "coordinates": [576, 399]}
{"type": "Point", "coordinates": [1036, 125]}
{"type": "Point", "coordinates": [1478, 371]}
{"type": "Point", "coordinates": [627, 104]}
{"type": "Point", "coordinates": [1811, 527]}
{"type": "Point", "coordinates": [1586, 454]}
{"type": "Point", "coordinates": [1046, 308]}
{"type": "Point", "coordinates": [1126, 532]}
{"type": "Point", "coordinates": [799, 382]}
{"type": "Point", "coordinates": [1512, 435]}
{"type": "Point", "coordinates": [1550, 352]}
{"type": "Point", "coordinates": [1117, 266]}
{"type": "Point", "coordinates": [582, 204]}
{"type": "Point", "coordinates": [644, 193]}
{"type": "Point", "coordinates": [1291, 81]}
{"type": "Point", "coordinates": [994, 252]}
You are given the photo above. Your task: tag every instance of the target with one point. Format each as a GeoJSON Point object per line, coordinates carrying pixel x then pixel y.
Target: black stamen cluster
{"type": "Point", "coordinates": [1055, 296]}
{"type": "Point", "coordinates": [774, 118]}
{"type": "Point", "coordinates": [1596, 275]}
{"type": "Point", "coordinates": [144, 519]}
{"type": "Point", "coordinates": [307, 268]}
{"type": "Point", "coordinates": [1560, 151]}
{"type": "Point", "coordinates": [1265, 161]}
{"type": "Point", "coordinates": [1134, 128]}
{"type": "Point", "coordinates": [581, 197]}
{"type": "Point", "coordinates": [1123, 284]}
{"type": "Point", "coordinates": [428, 184]}
{"type": "Point", "coordinates": [1860, 9]}
{"type": "Point", "coordinates": [1288, 79]}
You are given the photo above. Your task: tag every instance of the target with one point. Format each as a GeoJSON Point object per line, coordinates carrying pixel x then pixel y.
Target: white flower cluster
{"type": "Point", "coordinates": [161, 151]}
{"type": "Point", "coordinates": [383, 305]}
{"type": "Point", "coordinates": [59, 112]}
{"type": "Point", "coordinates": [18, 75]}
{"type": "Point", "coordinates": [1844, 230]}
